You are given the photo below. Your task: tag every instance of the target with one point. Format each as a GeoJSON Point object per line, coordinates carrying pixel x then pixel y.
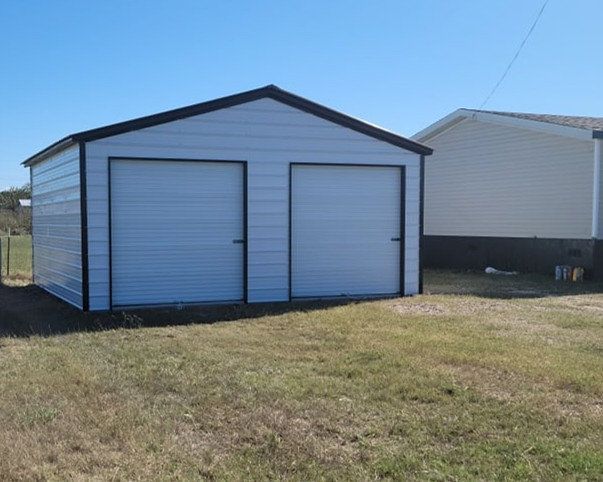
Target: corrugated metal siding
{"type": "Point", "coordinates": [343, 220]}
{"type": "Point", "coordinates": [56, 224]}
{"type": "Point", "coordinates": [269, 135]}
{"type": "Point", "coordinates": [491, 180]}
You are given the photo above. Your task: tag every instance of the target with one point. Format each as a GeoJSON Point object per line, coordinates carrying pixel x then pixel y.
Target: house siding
{"type": "Point", "coordinates": [493, 180]}
{"type": "Point", "coordinates": [56, 222]}
{"type": "Point", "coordinates": [268, 135]}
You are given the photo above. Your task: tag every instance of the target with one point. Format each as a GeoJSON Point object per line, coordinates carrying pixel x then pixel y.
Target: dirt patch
{"type": "Point", "coordinates": [527, 293]}
{"type": "Point", "coordinates": [420, 309]}
{"type": "Point", "coordinates": [512, 387]}
{"type": "Point", "coordinates": [554, 320]}
{"type": "Point", "coordinates": [276, 429]}
{"type": "Point", "coordinates": [16, 280]}
{"type": "Point", "coordinates": [588, 303]}
{"type": "Point", "coordinates": [452, 306]}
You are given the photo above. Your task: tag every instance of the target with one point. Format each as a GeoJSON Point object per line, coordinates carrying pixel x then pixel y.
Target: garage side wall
{"type": "Point", "coordinates": [56, 225]}
{"type": "Point", "coordinates": [492, 180]}
{"type": "Point", "coordinates": [268, 135]}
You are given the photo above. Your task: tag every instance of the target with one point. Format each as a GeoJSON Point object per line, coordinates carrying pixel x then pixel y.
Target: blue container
{"type": "Point", "coordinates": [558, 273]}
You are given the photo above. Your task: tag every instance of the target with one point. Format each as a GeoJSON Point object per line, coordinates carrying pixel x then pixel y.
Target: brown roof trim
{"type": "Point", "coordinates": [270, 91]}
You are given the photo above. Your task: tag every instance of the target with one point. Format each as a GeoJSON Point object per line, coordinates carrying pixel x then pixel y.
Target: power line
{"type": "Point", "coordinates": [516, 54]}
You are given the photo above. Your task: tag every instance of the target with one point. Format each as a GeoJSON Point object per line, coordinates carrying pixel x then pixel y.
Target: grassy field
{"type": "Point", "coordinates": [485, 378]}
{"type": "Point", "coordinates": [20, 257]}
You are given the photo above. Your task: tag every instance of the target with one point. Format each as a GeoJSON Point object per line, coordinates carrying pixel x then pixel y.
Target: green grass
{"type": "Point", "coordinates": [20, 256]}
{"type": "Point", "coordinates": [484, 379]}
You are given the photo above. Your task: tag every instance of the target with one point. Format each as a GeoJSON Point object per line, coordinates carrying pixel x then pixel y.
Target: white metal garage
{"type": "Point", "coordinates": [259, 196]}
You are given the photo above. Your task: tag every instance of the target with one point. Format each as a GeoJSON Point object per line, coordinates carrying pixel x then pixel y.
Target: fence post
{"type": "Point", "coordinates": [8, 257]}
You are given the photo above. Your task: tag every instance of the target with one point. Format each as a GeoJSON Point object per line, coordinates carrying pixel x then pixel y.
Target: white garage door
{"type": "Point", "coordinates": [177, 230]}
{"type": "Point", "coordinates": [345, 230]}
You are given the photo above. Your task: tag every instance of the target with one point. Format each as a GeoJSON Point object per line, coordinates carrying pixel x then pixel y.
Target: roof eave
{"type": "Point", "coordinates": [345, 120]}
{"type": "Point", "coordinates": [440, 126]}
{"type": "Point", "coordinates": [52, 149]}
{"type": "Point", "coordinates": [451, 120]}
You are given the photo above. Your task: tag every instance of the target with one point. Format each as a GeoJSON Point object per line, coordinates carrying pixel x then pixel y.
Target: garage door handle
{"type": "Point", "coordinates": [238, 241]}
{"type": "Point", "coordinates": [395, 239]}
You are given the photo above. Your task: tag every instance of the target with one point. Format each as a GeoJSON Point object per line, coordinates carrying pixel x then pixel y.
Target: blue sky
{"type": "Point", "coordinates": [67, 66]}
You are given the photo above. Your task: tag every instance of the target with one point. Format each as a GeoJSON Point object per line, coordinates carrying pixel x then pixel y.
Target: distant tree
{"type": "Point", "coordinates": [12, 218]}
{"type": "Point", "coordinates": [9, 198]}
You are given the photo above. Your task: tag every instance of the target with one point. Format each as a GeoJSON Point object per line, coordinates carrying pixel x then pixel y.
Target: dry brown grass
{"type": "Point", "coordinates": [479, 383]}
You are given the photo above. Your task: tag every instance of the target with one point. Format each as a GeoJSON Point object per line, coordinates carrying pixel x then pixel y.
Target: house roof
{"type": "Point", "coordinates": [269, 91]}
{"type": "Point", "coordinates": [581, 122]}
{"type": "Point", "coordinates": [573, 126]}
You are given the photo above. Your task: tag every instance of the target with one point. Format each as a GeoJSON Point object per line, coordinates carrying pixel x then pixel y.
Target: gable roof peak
{"type": "Point", "coordinates": [268, 91]}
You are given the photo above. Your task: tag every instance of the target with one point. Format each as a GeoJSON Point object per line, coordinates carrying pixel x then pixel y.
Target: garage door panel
{"type": "Point", "coordinates": [345, 230]}
{"type": "Point", "coordinates": [173, 225]}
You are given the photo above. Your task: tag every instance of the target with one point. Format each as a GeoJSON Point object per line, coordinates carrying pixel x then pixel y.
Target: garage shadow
{"type": "Point", "coordinates": [30, 311]}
